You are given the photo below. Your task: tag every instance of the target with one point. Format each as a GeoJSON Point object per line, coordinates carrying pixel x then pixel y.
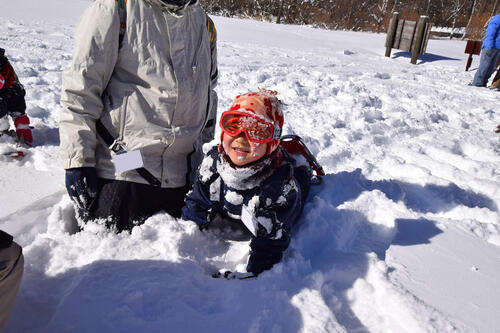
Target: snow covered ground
{"type": "Point", "coordinates": [403, 235]}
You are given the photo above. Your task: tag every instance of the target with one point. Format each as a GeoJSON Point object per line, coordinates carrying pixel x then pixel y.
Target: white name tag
{"type": "Point", "coordinates": [128, 161]}
{"type": "Point", "coordinates": [248, 220]}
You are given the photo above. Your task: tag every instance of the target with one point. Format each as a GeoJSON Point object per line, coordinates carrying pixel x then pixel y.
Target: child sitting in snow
{"type": "Point", "coordinates": [248, 187]}
{"type": "Point", "coordinates": [12, 102]}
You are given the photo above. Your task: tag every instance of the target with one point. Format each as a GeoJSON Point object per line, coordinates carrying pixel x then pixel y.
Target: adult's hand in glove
{"type": "Point", "coordinates": [489, 52]}
{"type": "Point", "coordinates": [23, 130]}
{"type": "Point", "coordinates": [227, 274]}
{"type": "Point", "coordinates": [82, 185]}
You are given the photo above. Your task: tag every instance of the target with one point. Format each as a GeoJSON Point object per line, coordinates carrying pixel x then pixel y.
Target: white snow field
{"type": "Point", "coordinates": [401, 236]}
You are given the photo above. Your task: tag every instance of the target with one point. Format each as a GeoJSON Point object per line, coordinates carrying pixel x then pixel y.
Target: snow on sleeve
{"type": "Point", "coordinates": [234, 198]}
{"type": "Point", "coordinates": [215, 190]}
{"type": "Point", "coordinates": [290, 186]}
{"type": "Point", "coordinates": [205, 171]}
{"type": "Point", "coordinates": [252, 207]}
{"type": "Point", "coordinates": [265, 221]}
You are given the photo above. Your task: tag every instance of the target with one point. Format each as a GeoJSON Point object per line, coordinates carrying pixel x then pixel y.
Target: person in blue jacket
{"type": "Point", "coordinates": [248, 186]}
{"type": "Point", "coordinates": [489, 54]}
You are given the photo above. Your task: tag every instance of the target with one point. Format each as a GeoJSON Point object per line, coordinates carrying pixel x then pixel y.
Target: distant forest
{"type": "Point", "coordinates": [360, 15]}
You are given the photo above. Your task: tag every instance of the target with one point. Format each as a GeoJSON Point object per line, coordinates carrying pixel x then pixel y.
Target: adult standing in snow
{"type": "Point", "coordinates": [141, 82]}
{"type": "Point", "coordinates": [489, 54]}
{"type": "Point", "coordinates": [11, 271]}
{"type": "Point", "coordinates": [12, 102]}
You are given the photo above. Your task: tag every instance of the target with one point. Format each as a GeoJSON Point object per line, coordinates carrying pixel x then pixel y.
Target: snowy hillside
{"type": "Point", "coordinates": [403, 235]}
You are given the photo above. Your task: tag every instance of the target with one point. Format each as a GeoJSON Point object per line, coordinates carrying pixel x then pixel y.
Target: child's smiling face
{"type": "Point", "coordinates": [241, 151]}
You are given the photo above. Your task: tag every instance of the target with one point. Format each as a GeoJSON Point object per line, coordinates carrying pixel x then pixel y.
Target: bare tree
{"type": "Point", "coordinates": [457, 6]}
{"type": "Point", "coordinates": [368, 15]}
{"type": "Point", "coordinates": [427, 7]}
{"type": "Point", "coordinates": [471, 15]}
{"type": "Point", "coordinates": [280, 11]}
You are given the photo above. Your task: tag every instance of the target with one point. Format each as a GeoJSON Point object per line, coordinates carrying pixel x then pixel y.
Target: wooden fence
{"type": "Point", "coordinates": [408, 36]}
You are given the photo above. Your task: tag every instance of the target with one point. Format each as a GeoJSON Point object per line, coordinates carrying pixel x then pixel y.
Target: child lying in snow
{"type": "Point", "coordinates": [248, 187]}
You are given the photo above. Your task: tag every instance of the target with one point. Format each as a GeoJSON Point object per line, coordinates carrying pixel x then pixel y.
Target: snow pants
{"type": "Point", "coordinates": [126, 204]}
{"type": "Point", "coordinates": [486, 67]}
{"type": "Point", "coordinates": [11, 271]}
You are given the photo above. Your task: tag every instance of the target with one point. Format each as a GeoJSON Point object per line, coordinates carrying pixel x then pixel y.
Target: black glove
{"type": "Point", "coordinates": [203, 226]}
{"type": "Point", "coordinates": [498, 129]}
{"type": "Point", "coordinates": [82, 185]}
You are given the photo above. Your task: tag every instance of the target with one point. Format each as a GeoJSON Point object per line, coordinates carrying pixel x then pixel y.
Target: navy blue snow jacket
{"type": "Point", "coordinates": [274, 195]}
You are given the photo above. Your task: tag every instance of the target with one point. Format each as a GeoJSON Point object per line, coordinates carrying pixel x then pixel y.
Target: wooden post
{"type": "Point", "coordinates": [417, 46]}
{"type": "Point", "coordinates": [391, 32]}
{"type": "Point", "coordinates": [469, 62]}
{"type": "Point", "coordinates": [472, 47]}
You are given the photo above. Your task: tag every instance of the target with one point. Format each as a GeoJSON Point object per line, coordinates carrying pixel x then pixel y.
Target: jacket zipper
{"type": "Point", "coordinates": [123, 114]}
{"type": "Point", "coordinates": [194, 64]}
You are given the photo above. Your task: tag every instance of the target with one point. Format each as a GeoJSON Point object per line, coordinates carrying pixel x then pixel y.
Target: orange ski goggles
{"type": "Point", "coordinates": [256, 128]}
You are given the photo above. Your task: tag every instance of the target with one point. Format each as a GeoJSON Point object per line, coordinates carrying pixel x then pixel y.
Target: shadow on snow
{"type": "Point", "coordinates": [428, 57]}
{"type": "Point", "coordinates": [146, 296]}
{"type": "Point", "coordinates": [346, 186]}
{"type": "Point", "coordinates": [336, 241]}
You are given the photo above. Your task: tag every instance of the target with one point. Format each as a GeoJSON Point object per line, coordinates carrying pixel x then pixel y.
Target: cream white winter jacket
{"type": "Point", "coordinates": [154, 92]}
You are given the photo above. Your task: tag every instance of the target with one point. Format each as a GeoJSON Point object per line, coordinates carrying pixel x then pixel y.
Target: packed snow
{"type": "Point", "coordinates": [401, 236]}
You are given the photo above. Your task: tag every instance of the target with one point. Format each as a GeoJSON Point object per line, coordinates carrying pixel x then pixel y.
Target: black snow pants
{"type": "Point", "coordinates": [126, 204]}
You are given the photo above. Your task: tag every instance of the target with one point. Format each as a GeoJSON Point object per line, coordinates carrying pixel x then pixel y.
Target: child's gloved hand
{"type": "Point", "coordinates": [23, 130]}
{"type": "Point", "coordinates": [227, 274]}
{"type": "Point", "coordinates": [203, 226]}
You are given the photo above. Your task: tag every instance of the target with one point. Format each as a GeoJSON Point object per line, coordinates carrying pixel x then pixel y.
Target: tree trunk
{"type": "Point", "coordinates": [472, 11]}
{"type": "Point", "coordinates": [280, 11]}
{"type": "Point", "coordinates": [453, 26]}
{"type": "Point", "coordinates": [494, 11]}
